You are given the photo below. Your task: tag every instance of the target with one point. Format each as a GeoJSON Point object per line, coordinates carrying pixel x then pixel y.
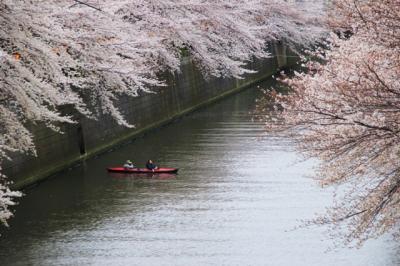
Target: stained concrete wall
{"type": "Point", "coordinates": [185, 92]}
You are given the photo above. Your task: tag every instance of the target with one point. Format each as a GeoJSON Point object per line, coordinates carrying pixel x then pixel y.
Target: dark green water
{"type": "Point", "coordinates": [235, 201]}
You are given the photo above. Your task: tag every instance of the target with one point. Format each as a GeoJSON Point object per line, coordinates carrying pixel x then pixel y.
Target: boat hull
{"type": "Point", "coordinates": [142, 170]}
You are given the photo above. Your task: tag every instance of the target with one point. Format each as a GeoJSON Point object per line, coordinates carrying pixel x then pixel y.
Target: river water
{"type": "Point", "coordinates": [236, 200]}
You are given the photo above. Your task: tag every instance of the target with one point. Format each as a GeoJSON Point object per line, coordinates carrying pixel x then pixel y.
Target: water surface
{"type": "Point", "coordinates": [235, 201]}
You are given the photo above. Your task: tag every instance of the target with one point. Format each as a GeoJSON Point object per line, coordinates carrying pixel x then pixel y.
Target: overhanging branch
{"type": "Point", "coordinates": [86, 4]}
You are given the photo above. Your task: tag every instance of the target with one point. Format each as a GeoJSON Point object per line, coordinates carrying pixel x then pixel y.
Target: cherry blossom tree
{"type": "Point", "coordinates": [345, 110]}
{"type": "Point", "coordinates": [55, 53]}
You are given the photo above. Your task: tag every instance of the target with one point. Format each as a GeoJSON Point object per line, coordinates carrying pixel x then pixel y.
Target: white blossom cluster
{"type": "Point", "coordinates": [55, 53]}
{"type": "Point", "coordinates": [346, 111]}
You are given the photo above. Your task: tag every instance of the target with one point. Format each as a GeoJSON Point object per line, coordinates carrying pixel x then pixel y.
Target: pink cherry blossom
{"type": "Point", "coordinates": [345, 110]}
{"type": "Point", "coordinates": [52, 53]}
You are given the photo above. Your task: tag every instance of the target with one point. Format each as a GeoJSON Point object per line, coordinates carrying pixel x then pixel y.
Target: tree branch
{"type": "Point", "coordinates": [86, 4]}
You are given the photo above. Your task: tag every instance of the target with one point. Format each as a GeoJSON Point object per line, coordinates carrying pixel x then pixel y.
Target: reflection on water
{"type": "Point", "coordinates": [235, 201]}
{"type": "Point", "coordinates": [143, 176]}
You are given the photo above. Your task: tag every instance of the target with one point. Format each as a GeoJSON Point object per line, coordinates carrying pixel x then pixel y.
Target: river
{"type": "Point", "coordinates": [236, 201]}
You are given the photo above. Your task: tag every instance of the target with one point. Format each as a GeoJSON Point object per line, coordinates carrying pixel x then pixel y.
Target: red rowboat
{"type": "Point", "coordinates": [142, 170]}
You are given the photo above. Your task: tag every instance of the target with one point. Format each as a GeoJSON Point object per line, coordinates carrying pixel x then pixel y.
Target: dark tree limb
{"type": "Point", "coordinates": [77, 2]}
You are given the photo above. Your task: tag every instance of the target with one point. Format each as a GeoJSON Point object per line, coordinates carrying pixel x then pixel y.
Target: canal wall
{"type": "Point", "coordinates": [185, 92]}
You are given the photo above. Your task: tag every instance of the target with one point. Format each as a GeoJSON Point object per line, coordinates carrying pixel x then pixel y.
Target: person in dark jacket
{"type": "Point", "coordinates": [150, 165]}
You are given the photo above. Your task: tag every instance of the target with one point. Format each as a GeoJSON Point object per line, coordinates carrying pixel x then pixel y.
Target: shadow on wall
{"type": "Point", "coordinates": [185, 92]}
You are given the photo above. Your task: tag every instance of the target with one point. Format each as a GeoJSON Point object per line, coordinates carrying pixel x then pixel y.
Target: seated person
{"type": "Point", "coordinates": [129, 165]}
{"type": "Point", "coordinates": [150, 165]}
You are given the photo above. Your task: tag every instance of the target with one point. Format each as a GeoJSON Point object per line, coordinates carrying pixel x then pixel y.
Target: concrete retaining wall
{"type": "Point", "coordinates": [185, 92]}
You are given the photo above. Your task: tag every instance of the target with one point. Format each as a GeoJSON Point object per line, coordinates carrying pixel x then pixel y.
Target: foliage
{"type": "Point", "coordinates": [345, 110]}
{"type": "Point", "coordinates": [55, 53]}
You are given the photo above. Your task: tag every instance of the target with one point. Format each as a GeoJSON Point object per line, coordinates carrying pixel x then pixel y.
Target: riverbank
{"type": "Point", "coordinates": [185, 91]}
